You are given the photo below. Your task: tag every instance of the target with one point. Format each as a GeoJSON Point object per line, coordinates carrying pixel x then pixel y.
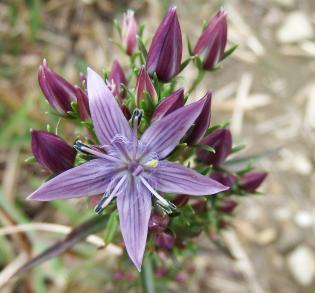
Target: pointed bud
{"type": "Point", "coordinates": [211, 44]}
{"type": "Point", "coordinates": [158, 222]}
{"type": "Point", "coordinates": [199, 205]}
{"type": "Point", "coordinates": [58, 92]}
{"type": "Point", "coordinates": [52, 152]}
{"type": "Point", "coordinates": [116, 79]}
{"type": "Point", "coordinates": [144, 84]}
{"type": "Point", "coordinates": [164, 241]}
{"type": "Point", "coordinates": [83, 104]}
{"type": "Point", "coordinates": [202, 122]}
{"type": "Point", "coordinates": [169, 104]}
{"type": "Point", "coordinates": [180, 200]}
{"type": "Point", "coordinates": [165, 53]}
{"type": "Point", "coordinates": [221, 141]}
{"type": "Point", "coordinates": [225, 179]}
{"type": "Point", "coordinates": [252, 180]}
{"type": "Point", "coordinates": [227, 205]}
{"type": "Point", "coordinates": [125, 111]}
{"type": "Point", "coordinates": [129, 32]}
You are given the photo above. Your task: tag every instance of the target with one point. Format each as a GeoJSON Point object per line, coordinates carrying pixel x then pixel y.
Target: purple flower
{"type": "Point", "coordinates": [58, 92]}
{"type": "Point", "coordinates": [52, 152]}
{"type": "Point", "coordinates": [158, 222]}
{"type": "Point", "coordinates": [132, 169]}
{"type": "Point", "coordinates": [252, 180]}
{"type": "Point", "coordinates": [165, 53]}
{"type": "Point", "coordinates": [171, 103]}
{"type": "Point", "coordinates": [211, 44]}
{"type": "Point", "coordinates": [144, 85]}
{"type": "Point", "coordinates": [129, 32]}
{"type": "Point", "coordinates": [221, 141]}
{"type": "Point", "coordinates": [116, 79]}
{"type": "Point", "coordinates": [202, 122]}
{"type": "Point", "coordinates": [83, 104]}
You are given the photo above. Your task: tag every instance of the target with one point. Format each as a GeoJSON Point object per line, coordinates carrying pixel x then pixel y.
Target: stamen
{"type": "Point", "coordinates": [162, 201]}
{"type": "Point", "coordinates": [108, 196]}
{"type": "Point", "coordinates": [84, 148]}
{"type": "Point", "coordinates": [136, 119]}
{"type": "Point", "coordinates": [152, 163]}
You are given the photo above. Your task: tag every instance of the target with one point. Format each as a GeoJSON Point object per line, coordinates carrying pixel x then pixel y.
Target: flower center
{"type": "Point", "coordinates": [135, 168]}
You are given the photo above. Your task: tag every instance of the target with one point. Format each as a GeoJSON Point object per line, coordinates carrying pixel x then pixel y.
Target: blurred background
{"type": "Point", "coordinates": [266, 89]}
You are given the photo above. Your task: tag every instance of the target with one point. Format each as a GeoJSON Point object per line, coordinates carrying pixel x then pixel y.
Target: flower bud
{"type": "Point", "coordinates": [252, 180]}
{"type": "Point", "coordinates": [116, 79]}
{"type": "Point", "coordinates": [52, 152]}
{"type": "Point", "coordinates": [211, 44]}
{"type": "Point", "coordinates": [199, 205]}
{"type": "Point", "coordinates": [227, 205]}
{"type": "Point", "coordinates": [129, 32]}
{"type": "Point", "coordinates": [125, 111]}
{"type": "Point", "coordinates": [58, 92]}
{"type": "Point", "coordinates": [165, 53]}
{"type": "Point", "coordinates": [225, 179]}
{"type": "Point", "coordinates": [158, 222]}
{"type": "Point", "coordinates": [83, 104]}
{"type": "Point", "coordinates": [180, 200]}
{"type": "Point", "coordinates": [144, 84]}
{"type": "Point", "coordinates": [202, 122]}
{"type": "Point", "coordinates": [171, 103]}
{"type": "Point", "coordinates": [221, 141]}
{"type": "Point", "coordinates": [161, 272]}
{"type": "Point", "coordinates": [164, 241]}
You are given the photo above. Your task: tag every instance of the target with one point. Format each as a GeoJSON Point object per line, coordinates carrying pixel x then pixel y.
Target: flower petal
{"type": "Point", "coordinates": [87, 179]}
{"type": "Point", "coordinates": [134, 208]}
{"type": "Point", "coordinates": [175, 178]}
{"type": "Point", "coordinates": [108, 119]}
{"type": "Point", "coordinates": [163, 135]}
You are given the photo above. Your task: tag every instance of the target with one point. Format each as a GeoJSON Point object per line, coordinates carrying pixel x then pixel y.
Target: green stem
{"type": "Point", "coordinates": [199, 78]}
{"type": "Point", "coordinates": [147, 276]}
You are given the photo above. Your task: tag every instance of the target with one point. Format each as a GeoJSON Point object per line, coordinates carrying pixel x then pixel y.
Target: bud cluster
{"type": "Point", "coordinates": [151, 84]}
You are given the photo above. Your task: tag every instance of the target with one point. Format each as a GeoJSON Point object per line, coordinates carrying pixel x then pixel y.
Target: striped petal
{"type": "Point", "coordinates": [88, 179]}
{"type": "Point", "coordinates": [164, 135]}
{"type": "Point", "coordinates": [175, 178]}
{"type": "Point", "coordinates": [107, 117]}
{"type": "Point", "coordinates": [134, 208]}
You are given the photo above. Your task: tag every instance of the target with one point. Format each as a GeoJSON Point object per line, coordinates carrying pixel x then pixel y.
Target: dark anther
{"type": "Point", "coordinates": [136, 116]}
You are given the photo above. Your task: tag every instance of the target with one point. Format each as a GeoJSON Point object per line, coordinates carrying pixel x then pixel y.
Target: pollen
{"type": "Point", "coordinates": [152, 163]}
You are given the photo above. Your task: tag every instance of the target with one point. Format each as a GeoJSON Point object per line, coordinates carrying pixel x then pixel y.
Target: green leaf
{"type": "Point", "coordinates": [117, 26]}
{"type": "Point", "coordinates": [190, 50]}
{"type": "Point", "coordinates": [184, 64]}
{"type": "Point", "coordinates": [237, 148]}
{"type": "Point", "coordinates": [147, 276]}
{"type": "Point", "coordinates": [229, 52]}
{"type": "Point", "coordinates": [111, 227]}
{"type": "Point", "coordinates": [142, 48]}
{"type": "Point", "coordinates": [205, 147]}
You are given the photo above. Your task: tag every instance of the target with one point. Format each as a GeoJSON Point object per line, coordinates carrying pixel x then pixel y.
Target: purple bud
{"type": "Point", "coordinates": [225, 179]}
{"type": "Point", "coordinates": [129, 32]}
{"type": "Point", "coordinates": [83, 104]}
{"type": "Point", "coordinates": [180, 277]}
{"type": "Point", "coordinates": [202, 122]}
{"type": "Point", "coordinates": [221, 141]}
{"type": "Point", "coordinates": [252, 180]}
{"type": "Point", "coordinates": [125, 111]}
{"type": "Point", "coordinates": [144, 84]}
{"type": "Point", "coordinates": [158, 222]}
{"type": "Point", "coordinates": [171, 103]}
{"type": "Point", "coordinates": [165, 53]}
{"type": "Point", "coordinates": [58, 92]}
{"type": "Point", "coordinates": [116, 79]}
{"type": "Point", "coordinates": [161, 272]}
{"type": "Point", "coordinates": [211, 44]}
{"type": "Point", "coordinates": [180, 200]}
{"type": "Point", "coordinates": [227, 205]}
{"type": "Point", "coordinates": [164, 241]}
{"type": "Point", "coordinates": [52, 152]}
{"type": "Point", "coordinates": [199, 204]}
